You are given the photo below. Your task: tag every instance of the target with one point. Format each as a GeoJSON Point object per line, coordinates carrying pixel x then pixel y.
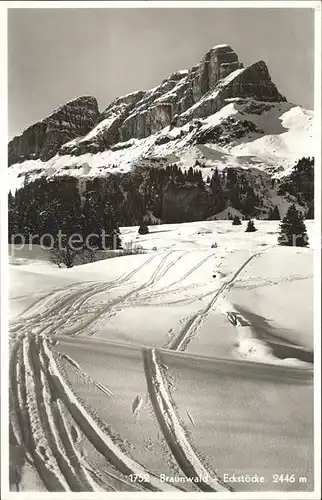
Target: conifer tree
{"type": "Point", "coordinates": [250, 227]}
{"type": "Point", "coordinates": [292, 229]}
{"type": "Point", "coordinates": [236, 221]}
{"type": "Point", "coordinates": [276, 213]}
{"type": "Point", "coordinates": [13, 218]}
{"type": "Point", "coordinates": [310, 211]}
{"type": "Point", "coordinates": [190, 175]}
{"type": "Point", "coordinates": [143, 229]}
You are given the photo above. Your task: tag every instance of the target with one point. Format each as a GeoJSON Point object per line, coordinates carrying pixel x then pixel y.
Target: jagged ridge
{"type": "Point", "coordinates": [44, 138]}
{"type": "Point", "coordinates": [185, 95]}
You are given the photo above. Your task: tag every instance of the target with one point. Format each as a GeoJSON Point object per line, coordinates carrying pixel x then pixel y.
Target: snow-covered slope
{"type": "Point", "coordinates": [288, 136]}
{"type": "Point", "coordinates": [280, 135]}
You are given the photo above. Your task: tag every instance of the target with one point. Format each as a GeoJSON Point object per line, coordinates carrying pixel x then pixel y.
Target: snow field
{"type": "Point", "coordinates": [169, 285]}
{"type": "Point", "coordinates": [246, 421]}
{"type": "Point", "coordinates": [228, 401]}
{"type": "Point", "coordinates": [121, 371]}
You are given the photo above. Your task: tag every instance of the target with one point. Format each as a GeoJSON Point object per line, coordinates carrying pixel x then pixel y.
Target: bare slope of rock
{"type": "Point", "coordinates": [43, 139]}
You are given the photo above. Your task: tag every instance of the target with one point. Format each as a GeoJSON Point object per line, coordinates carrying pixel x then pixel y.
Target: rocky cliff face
{"type": "Point", "coordinates": [77, 127]}
{"type": "Point", "coordinates": [199, 92]}
{"type": "Point", "coordinates": [43, 139]}
{"type": "Point", "coordinates": [179, 92]}
{"type": "Point", "coordinates": [107, 130]}
{"type": "Point", "coordinates": [253, 82]}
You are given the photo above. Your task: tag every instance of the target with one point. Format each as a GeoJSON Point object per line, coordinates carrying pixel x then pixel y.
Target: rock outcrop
{"type": "Point", "coordinates": [253, 82]}
{"type": "Point", "coordinates": [107, 130]}
{"type": "Point", "coordinates": [43, 139]}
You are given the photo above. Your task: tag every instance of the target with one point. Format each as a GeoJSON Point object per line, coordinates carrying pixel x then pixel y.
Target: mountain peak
{"type": "Point", "coordinates": [77, 128]}
{"type": "Point", "coordinates": [221, 46]}
{"type": "Point", "coordinates": [44, 138]}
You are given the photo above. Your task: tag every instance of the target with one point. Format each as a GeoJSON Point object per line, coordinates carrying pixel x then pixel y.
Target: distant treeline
{"type": "Point", "coordinates": [300, 183]}
{"type": "Point", "coordinates": [172, 195]}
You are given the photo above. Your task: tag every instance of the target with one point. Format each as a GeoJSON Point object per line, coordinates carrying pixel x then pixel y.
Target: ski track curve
{"type": "Point", "coordinates": [54, 303]}
{"type": "Point", "coordinates": [48, 442]}
{"type": "Point", "coordinates": [196, 320]}
{"type": "Point", "coordinates": [40, 399]}
{"type": "Point", "coordinates": [59, 309]}
{"type": "Point", "coordinates": [173, 431]}
{"type": "Point", "coordinates": [95, 430]}
{"type": "Point", "coordinates": [161, 270]}
{"type": "Point", "coordinates": [158, 273]}
{"type": "Point", "coordinates": [169, 287]}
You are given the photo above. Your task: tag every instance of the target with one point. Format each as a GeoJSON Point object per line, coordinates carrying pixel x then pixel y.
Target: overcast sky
{"type": "Point", "coordinates": [57, 54]}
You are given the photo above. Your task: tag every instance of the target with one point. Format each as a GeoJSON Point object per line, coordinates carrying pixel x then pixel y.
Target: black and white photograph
{"type": "Point", "coordinates": [161, 206]}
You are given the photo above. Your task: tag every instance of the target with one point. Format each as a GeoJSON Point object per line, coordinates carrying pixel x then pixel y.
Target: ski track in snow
{"type": "Point", "coordinates": [170, 287]}
{"type": "Point", "coordinates": [65, 303]}
{"type": "Point", "coordinates": [173, 431]}
{"type": "Point", "coordinates": [41, 398]}
{"type": "Point", "coordinates": [95, 431]}
{"type": "Point", "coordinates": [57, 311]}
{"type": "Point", "coordinates": [48, 442]}
{"type": "Point", "coordinates": [52, 305]}
{"type": "Point", "coordinates": [63, 308]}
{"type": "Point", "coordinates": [34, 376]}
{"type": "Point", "coordinates": [194, 323]}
